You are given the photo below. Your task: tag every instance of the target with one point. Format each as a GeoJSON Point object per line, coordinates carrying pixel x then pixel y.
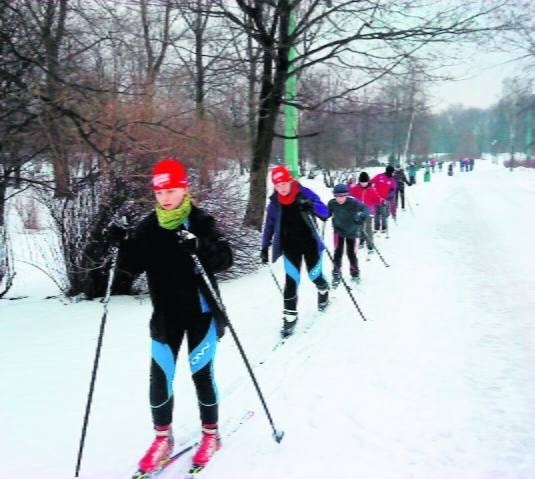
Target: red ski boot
{"type": "Point", "coordinates": [159, 451]}
{"type": "Point", "coordinates": [210, 443]}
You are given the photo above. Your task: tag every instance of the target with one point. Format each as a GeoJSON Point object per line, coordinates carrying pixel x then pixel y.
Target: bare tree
{"type": "Point", "coordinates": [333, 34]}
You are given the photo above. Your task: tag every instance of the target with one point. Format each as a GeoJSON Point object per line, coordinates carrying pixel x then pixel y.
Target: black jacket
{"type": "Point", "coordinates": [174, 285]}
{"type": "Point", "coordinates": [401, 179]}
{"type": "Point", "coordinates": [349, 217]}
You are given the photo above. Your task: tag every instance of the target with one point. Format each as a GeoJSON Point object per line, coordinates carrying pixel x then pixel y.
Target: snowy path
{"type": "Point", "coordinates": [438, 384]}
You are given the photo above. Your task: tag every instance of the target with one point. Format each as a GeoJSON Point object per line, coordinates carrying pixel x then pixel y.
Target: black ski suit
{"type": "Point", "coordinates": [401, 180]}
{"type": "Point", "coordinates": [182, 306]}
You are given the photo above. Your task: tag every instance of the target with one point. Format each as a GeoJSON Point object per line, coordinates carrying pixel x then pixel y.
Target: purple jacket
{"type": "Point", "coordinates": [272, 225]}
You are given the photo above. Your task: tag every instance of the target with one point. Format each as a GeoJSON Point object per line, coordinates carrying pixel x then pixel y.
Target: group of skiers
{"type": "Point", "coordinates": [290, 228]}
{"type": "Point", "coordinates": [170, 243]}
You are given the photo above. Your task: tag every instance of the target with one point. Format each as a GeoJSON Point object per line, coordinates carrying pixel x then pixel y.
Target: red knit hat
{"type": "Point", "coordinates": [169, 173]}
{"type": "Point", "coordinates": [280, 174]}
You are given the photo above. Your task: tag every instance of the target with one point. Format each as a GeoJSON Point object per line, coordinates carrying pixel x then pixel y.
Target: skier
{"type": "Point", "coordinates": [162, 245]}
{"type": "Point", "coordinates": [427, 173]}
{"type": "Point", "coordinates": [367, 194]}
{"type": "Point", "coordinates": [401, 180]}
{"type": "Point", "coordinates": [386, 187]}
{"type": "Point", "coordinates": [348, 216]}
{"type": "Point", "coordinates": [411, 170]}
{"type": "Point", "coordinates": [287, 228]}
{"type": "Point", "coordinates": [450, 169]}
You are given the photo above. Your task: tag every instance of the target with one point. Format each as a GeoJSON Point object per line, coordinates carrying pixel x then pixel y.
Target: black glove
{"type": "Point", "coordinates": [305, 204]}
{"type": "Point", "coordinates": [187, 241]}
{"type": "Point", "coordinates": [264, 256]}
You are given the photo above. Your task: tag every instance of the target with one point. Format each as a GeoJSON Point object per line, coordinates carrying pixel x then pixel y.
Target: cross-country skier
{"type": "Point", "coordinates": [366, 193]}
{"type": "Point", "coordinates": [401, 180]}
{"type": "Point", "coordinates": [291, 207]}
{"type": "Point", "coordinates": [386, 187]}
{"type": "Point", "coordinates": [162, 245]}
{"type": "Point", "coordinates": [348, 216]}
{"type": "Point", "coordinates": [411, 170]}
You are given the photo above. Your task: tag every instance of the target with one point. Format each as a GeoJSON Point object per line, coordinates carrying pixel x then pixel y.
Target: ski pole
{"type": "Point", "coordinates": [277, 434]}
{"type": "Point", "coordinates": [275, 278]}
{"type": "Point", "coordinates": [375, 248]}
{"type": "Point", "coordinates": [409, 205]}
{"type": "Point", "coordinates": [312, 225]}
{"type": "Point", "coordinates": [106, 300]}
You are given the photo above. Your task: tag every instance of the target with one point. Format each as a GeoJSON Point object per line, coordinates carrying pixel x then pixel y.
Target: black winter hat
{"type": "Point", "coordinates": [364, 177]}
{"type": "Point", "coordinates": [389, 169]}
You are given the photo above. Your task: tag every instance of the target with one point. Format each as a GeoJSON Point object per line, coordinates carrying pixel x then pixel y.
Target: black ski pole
{"type": "Point", "coordinates": [312, 225]}
{"type": "Point", "coordinates": [277, 434]}
{"type": "Point", "coordinates": [275, 279]}
{"type": "Point", "coordinates": [376, 250]}
{"type": "Point", "coordinates": [106, 300]}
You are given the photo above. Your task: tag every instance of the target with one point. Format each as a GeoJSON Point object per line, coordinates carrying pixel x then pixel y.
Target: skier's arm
{"type": "Point", "coordinates": [318, 207]}
{"type": "Point", "coordinates": [361, 212]}
{"type": "Point", "coordinates": [269, 225]}
{"type": "Point", "coordinates": [128, 239]}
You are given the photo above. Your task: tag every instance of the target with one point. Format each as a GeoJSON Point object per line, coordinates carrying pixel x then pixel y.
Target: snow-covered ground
{"type": "Point", "coordinates": [439, 383]}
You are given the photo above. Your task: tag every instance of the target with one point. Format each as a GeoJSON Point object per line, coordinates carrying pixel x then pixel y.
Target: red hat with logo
{"type": "Point", "coordinates": [280, 174]}
{"type": "Point", "coordinates": [169, 173]}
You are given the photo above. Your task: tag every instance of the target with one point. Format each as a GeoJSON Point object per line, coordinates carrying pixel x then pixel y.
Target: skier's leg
{"type": "Point", "coordinates": [202, 344]}
{"type": "Point", "coordinates": [162, 373]}
{"type": "Point", "coordinates": [314, 264]}
{"type": "Point", "coordinates": [338, 252]}
{"type": "Point", "coordinates": [369, 233]}
{"type": "Point", "coordinates": [352, 256]}
{"type": "Point", "coordinates": [292, 266]}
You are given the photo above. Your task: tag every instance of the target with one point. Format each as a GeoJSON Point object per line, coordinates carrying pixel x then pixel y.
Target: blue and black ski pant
{"type": "Point", "coordinates": [292, 265]}
{"type": "Point", "coordinates": [201, 334]}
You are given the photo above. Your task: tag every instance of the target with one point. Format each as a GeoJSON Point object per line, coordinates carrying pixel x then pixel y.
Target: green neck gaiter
{"type": "Point", "coordinates": [172, 219]}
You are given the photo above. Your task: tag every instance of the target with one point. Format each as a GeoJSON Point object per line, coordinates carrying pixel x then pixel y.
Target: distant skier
{"type": "Point", "coordinates": [401, 181]}
{"type": "Point", "coordinates": [427, 173]}
{"type": "Point", "coordinates": [411, 170]}
{"type": "Point", "coordinates": [366, 193]}
{"type": "Point", "coordinates": [450, 169]}
{"type": "Point", "coordinates": [386, 186]}
{"type": "Point", "coordinates": [161, 246]}
{"type": "Point", "coordinates": [348, 216]}
{"type": "Point", "coordinates": [288, 230]}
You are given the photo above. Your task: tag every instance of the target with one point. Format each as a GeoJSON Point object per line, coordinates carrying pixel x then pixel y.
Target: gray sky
{"type": "Point", "coordinates": [479, 84]}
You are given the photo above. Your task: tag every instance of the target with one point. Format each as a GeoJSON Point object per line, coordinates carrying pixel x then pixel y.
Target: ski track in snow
{"type": "Point", "coordinates": [439, 383]}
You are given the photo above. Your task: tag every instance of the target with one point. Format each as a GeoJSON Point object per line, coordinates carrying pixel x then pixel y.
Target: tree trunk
{"type": "Point", "coordinates": [54, 32]}
{"type": "Point", "coordinates": [271, 95]}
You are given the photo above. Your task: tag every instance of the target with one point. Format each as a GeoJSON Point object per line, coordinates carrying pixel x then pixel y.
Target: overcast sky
{"type": "Point", "coordinates": [479, 84]}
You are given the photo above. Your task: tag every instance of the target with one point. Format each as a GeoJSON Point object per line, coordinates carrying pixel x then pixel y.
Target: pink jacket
{"type": "Point", "coordinates": [385, 185]}
{"type": "Point", "coordinates": [367, 195]}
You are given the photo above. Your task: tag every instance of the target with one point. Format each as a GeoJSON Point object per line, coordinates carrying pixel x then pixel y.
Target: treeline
{"type": "Point", "coordinates": [93, 92]}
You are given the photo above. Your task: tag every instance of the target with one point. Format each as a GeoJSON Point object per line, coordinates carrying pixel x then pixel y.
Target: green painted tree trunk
{"type": "Point", "coordinates": [291, 118]}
